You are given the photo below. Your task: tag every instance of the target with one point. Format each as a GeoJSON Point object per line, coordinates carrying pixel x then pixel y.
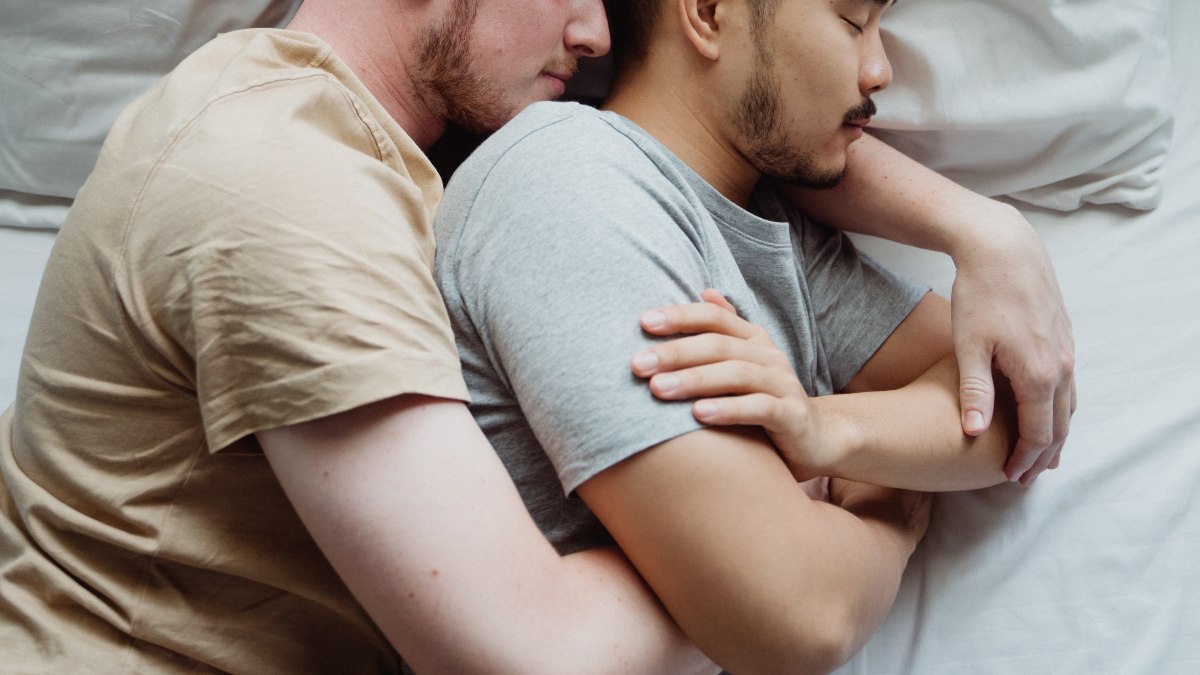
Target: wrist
{"type": "Point", "coordinates": [985, 226]}
{"type": "Point", "coordinates": [845, 436]}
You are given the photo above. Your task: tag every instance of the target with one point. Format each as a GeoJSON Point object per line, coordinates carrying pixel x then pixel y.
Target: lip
{"type": "Point", "coordinates": [856, 126]}
{"type": "Point", "coordinates": [558, 81]}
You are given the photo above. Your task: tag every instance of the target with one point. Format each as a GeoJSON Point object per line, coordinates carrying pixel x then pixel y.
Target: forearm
{"type": "Point", "coordinates": [610, 622]}
{"type": "Point", "coordinates": [418, 516]}
{"type": "Point", "coordinates": [911, 437]}
{"type": "Point", "coordinates": [758, 576]}
{"type": "Point", "coordinates": [886, 194]}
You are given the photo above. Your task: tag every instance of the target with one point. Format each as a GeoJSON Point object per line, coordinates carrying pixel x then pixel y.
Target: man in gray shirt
{"type": "Point", "coordinates": [569, 216]}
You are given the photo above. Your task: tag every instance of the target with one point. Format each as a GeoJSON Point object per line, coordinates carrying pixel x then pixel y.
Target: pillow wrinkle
{"type": "Point", "coordinates": [1055, 104]}
{"type": "Point", "coordinates": [73, 65]}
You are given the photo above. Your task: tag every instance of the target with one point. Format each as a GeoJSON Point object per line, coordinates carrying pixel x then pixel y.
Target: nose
{"type": "Point", "coordinates": [876, 72]}
{"type": "Point", "coordinates": [586, 33]}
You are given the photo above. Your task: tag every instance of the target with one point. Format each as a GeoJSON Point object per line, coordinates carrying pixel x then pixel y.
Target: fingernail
{"type": "Point", "coordinates": [705, 409]}
{"type": "Point", "coordinates": [653, 319]}
{"type": "Point", "coordinates": [666, 383]}
{"type": "Point", "coordinates": [646, 361]}
{"type": "Point", "coordinates": [974, 420]}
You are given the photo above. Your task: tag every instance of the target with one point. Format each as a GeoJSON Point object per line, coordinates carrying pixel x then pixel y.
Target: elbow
{"type": "Point", "coordinates": [832, 645]}
{"type": "Point", "coordinates": [817, 643]}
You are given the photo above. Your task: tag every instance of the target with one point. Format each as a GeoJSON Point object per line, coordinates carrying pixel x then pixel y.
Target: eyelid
{"type": "Point", "coordinates": [857, 27]}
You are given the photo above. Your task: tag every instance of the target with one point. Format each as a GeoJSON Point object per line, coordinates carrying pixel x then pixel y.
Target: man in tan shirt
{"type": "Point", "coordinates": [239, 420]}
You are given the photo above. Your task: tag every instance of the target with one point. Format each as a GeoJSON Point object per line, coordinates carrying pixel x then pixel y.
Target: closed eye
{"type": "Point", "coordinates": [857, 28]}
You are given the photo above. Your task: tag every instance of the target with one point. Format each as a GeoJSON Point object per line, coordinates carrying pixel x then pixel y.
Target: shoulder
{"type": "Point", "coordinates": [249, 92]}
{"type": "Point", "coordinates": [556, 161]}
{"type": "Point", "coordinates": [553, 141]}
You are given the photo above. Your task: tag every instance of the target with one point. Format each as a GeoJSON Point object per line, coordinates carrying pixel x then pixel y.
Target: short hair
{"type": "Point", "coordinates": [632, 23]}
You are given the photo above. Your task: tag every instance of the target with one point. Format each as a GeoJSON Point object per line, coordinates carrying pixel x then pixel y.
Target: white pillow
{"type": "Point", "coordinates": [1052, 102]}
{"type": "Point", "coordinates": [70, 66]}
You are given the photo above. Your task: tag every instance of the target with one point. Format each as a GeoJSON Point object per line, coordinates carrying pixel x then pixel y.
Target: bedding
{"type": "Point", "coordinates": [1095, 568]}
{"type": "Point", "coordinates": [1051, 103]}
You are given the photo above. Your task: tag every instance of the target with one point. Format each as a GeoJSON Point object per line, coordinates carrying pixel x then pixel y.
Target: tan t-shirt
{"type": "Point", "coordinates": [253, 250]}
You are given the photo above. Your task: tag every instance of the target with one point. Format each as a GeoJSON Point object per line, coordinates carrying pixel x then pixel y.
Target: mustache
{"type": "Point", "coordinates": [567, 64]}
{"type": "Point", "coordinates": [862, 111]}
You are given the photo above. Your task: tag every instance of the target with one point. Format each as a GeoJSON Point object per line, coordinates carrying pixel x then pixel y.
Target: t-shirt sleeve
{"type": "Point", "coordinates": [285, 269]}
{"type": "Point", "coordinates": [547, 268]}
{"type": "Point", "coordinates": [856, 302]}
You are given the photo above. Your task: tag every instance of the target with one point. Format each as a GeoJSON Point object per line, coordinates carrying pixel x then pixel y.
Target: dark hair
{"type": "Point", "coordinates": [632, 22]}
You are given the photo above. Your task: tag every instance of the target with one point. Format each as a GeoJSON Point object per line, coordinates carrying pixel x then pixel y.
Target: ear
{"type": "Point", "coordinates": [700, 27]}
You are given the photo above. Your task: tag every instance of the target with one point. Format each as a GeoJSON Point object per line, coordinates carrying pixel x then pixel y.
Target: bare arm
{"type": "Point", "coordinates": [762, 578]}
{"type": "Point", "coordinates": [1008, 310]}
{"type": "Point", "coordinates": [418, 516]}
{"type": "Point", "coordinates": [896, 426]}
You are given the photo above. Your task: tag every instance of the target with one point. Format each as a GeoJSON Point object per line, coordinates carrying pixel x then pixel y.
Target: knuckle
{"type": "Point", "coordinates": [1041, 380]}
{"type": "Point", "coordinates": [799, 414]}
{"type": "Point", "coordinates": [1066, 366]}
{"type": "Point", "coordinates": [1039, 439]}
{"type": "Point", "coordinates": [726, 348]}
{"type": "Point", "coordinates": [668, 354]}
{"type": "Point", "coordinates": [975, 387]}
{"type": "Point", "coordinates": [744, 372]}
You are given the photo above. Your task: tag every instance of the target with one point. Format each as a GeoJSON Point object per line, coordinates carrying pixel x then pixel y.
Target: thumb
{"type": "Point", "coordinates": [976, 390]}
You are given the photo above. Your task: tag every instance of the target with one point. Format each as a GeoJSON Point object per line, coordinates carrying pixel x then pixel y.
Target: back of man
{"type": "Point", "coordinates": [255, 191]}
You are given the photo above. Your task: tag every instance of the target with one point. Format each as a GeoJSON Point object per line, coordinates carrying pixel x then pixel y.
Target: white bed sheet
{"type": "Point", "coordinates": [23, 254]}
{"type": "Point", "coordinates": [1096, 568]}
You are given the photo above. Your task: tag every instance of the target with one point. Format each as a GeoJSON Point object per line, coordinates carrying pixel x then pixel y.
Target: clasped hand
{"type": "Point", "coordinates": [737, 376]}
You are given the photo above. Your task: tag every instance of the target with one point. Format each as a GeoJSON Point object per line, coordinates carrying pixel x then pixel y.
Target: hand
{"type": "Point", "coordinates": [740, 378]}
{"type": "Point", "coordinates": [1008, 311]}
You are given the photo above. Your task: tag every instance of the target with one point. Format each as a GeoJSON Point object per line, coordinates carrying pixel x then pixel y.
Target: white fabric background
{"type": "Point", "coordinates": [1096, 569]}
{"type": "Point", "coordinates": [23, 254]}
{"type": "Point", "coordinates": [1054, 103]}
{"type": "Point", "coordinates": [68, 67]}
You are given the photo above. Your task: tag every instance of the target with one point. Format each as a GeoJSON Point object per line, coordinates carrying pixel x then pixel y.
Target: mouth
{"type": "Point", "coordinates": [860, 115]}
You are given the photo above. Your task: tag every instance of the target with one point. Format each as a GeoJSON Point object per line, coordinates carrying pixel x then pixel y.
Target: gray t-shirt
{"type": "Point", "coordinates": [560, 231]}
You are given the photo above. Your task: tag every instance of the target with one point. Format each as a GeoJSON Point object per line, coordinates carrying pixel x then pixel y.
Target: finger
{"type": "Point", "coordinates": [1054, 463]}
{"type": "Point", "coordinates": [699, 350]}
{"type": "Point", "coordinates": [696, 317]}
{"type": "Point", "coordinates": [722, 379]}
{"type": "Point", "coordinates": [1062, 422]}
{"type": "Point", "coordinates": [976, 389]}
{"type": "Point", "coordinates": [1035, 416]}
{"type": "Point", "coordinates": [748, 410]}
{"type": "Point", "coordinates": [717, 298]}
{"type": "Point", "coordinates": [1040, 465]}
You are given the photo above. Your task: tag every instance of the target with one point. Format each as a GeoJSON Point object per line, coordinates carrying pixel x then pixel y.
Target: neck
{"type": "Point", "coordinates": [675, 111]}
{"type": "Point", "coordinates": [379, 54]}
